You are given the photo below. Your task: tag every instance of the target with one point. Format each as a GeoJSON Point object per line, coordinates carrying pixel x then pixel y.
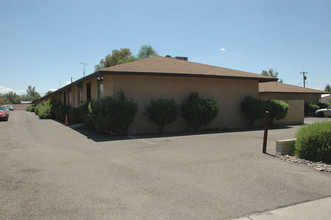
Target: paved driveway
{"type": "Point", "coordinates": [48, 171]}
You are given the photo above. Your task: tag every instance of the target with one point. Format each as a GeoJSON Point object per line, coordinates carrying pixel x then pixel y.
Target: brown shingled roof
{"type": "Point", "coordinates": [273, 87]}
{"type": "Point", "coordinates": [174, 67]}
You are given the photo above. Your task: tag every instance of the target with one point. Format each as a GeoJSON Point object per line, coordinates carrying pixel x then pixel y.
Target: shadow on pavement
{"type": "Point", "coordinates": [93, 135]}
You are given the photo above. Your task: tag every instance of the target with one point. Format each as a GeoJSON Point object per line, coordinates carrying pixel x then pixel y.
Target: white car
{"type": "Point", "coordinates": [323, 112]}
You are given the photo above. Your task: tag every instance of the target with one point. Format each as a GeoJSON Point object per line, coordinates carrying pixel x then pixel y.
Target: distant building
{"type": "Point", "coordinates": [26, 102]}
{"type": "Point", "coordinates": [325, 98]}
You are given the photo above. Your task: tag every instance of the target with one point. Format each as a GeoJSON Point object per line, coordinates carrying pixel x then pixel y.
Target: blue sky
{"type": "Point", "coordinates": [43, 42]}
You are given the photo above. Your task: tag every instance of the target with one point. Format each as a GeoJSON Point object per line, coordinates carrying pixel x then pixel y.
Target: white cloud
{"type": "Point", "coordinates": [6, 90]}
{"type": "Point", "coordinates": [222, 49]}
{"type": "Point", "coordinates": [53, 90]}
{"type": "Point", "coordinates": [68, 82]}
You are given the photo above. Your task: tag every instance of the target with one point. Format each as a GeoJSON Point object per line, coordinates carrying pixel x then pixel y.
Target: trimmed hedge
{"type": "Point", "coordinates": [253, 108]}
{"type": "Point", "coordinates": [277, 109]}
{"type": "Point", "coordinates": [198, 111]}
{"type": "Point", "coordinates": [324, 105]}
{"type": "Point", "coordinates": [30, 108]}
{"type": "Point", "coordinates": [162, 112]}
{"type": "Point", "coordinates": [310, 108]}
{"type": "Point", "coordinates": [111, 115]}
{"type": "Point", "coordinates": [314, 142]}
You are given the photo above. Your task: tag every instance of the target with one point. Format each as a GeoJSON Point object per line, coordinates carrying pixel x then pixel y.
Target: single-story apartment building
{"type": "Point", "coordinates": [282, 91]}
{"type": "Point", "coordinates": [166, 77]}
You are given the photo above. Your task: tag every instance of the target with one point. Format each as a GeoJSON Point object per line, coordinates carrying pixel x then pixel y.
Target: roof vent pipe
{"type": "Point", "coordinates": [182, 58]}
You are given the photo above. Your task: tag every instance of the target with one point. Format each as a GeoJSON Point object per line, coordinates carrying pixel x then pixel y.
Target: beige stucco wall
{"type": "Point", "coordinates": [295, 115]}
{"type": "Point", "coordinates": [228, 93]}
{"type": "Point", "coordinates": [94, 91]}
{"type": "Point", "coordinates": [308, 98]}
{"type": "Point", "coordinates": [108, 87]}
{"type": "Point", "coordinates": [74, 96]}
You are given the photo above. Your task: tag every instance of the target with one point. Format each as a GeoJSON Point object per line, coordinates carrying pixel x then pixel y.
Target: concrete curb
{"type": "Point", "coordinates": [318, 209]}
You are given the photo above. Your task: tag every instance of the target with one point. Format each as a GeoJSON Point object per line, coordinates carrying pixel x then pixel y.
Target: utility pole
{"type": "Point", "coordinates": [84, 64]}
{"type": "Point", "coordinates": [304, 78]}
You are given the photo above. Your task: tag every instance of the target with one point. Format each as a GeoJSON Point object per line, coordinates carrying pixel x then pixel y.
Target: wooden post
{"type": "Point", "coordinates": [66, 122]}
{"type": "Point", "coordinates": [266, 127]}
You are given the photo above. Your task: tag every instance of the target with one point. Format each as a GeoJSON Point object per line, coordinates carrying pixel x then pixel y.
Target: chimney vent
{"type": "Point", "coordinates": [182, 58]}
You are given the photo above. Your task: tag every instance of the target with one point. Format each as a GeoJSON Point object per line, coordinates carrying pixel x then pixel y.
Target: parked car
{"type": "Point", "coordinates": [323, 112]}
{"type": "Point", "coordinates": [10, 107]}
{"type": "Point", "coordinates": [4, 114]}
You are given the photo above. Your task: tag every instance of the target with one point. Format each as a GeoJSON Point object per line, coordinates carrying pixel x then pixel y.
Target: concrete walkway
{"type": "Point", "coordinates": [318, 209]}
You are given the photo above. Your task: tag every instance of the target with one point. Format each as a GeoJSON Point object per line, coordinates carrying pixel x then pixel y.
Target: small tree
{"type": "Point", "coordinates": [162, 112]}
{"type": "Point", "coordinates": [271, 73]}
{"type": "Point", "coordinates": [198, 111]}
{"type": "Point", "coordinates": [31, 94]}
{"type": "Point", "coordinates": [12, 98]}
{"type": "Point", "coordinates": [277, 109]}
{"type": "Point", "coordinates": [121, 56]}
{"type": "Point", "coordinates": [327, 88]}
{"type": "Point", "coordinates": [146, 51]}
{"type": "Point", "coordinates": [253, 108]}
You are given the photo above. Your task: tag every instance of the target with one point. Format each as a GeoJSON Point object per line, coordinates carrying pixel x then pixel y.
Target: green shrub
{"type": "Point", "coordinates": [100, 115]}
{"type": "Point", "coordinates": [124, 113]}
{"type": "Point", "coordinates": [323, 105]}
{"type": "Point", "coordinates": [198, 111]}
{"type": "Point", "coordinates": [110, 114]}
{"type": "Point", "coordinates": [314, 142]}
{"type": "Point", "coordinates": [310, 108]}
{"type": "Point", "coordinates": [162, 112]}
{"type": "Point", "coordinates": [44, 110]}
{"type": "Point", "coordinates": [54, 106]}
{"type": "Point", "coordinates": [277, 109]}
{"type": "Point", "coordinates": [36, 109]}
{"type": "Point", "coordinates": [30, 108]}
{"type": "Point", "coordinates": [253, 108]}
{"type": "Point", "coordinates": [60, 113]}
{"type": "Point", "coordinates": [75, 115]}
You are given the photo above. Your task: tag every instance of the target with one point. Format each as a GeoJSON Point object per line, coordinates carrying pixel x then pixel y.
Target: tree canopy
{"type": "Point", "coordinates": [146, 51]}
{"type": "Point", "coordinates": [31, 94]}
{"type": "Point", "coordinates": [124, 55]}
{"type": "Point", "coordinates": [10, 98]}
{"type": "Point", "coordinates": [271, 73]}
{"type": "Point", "coordinates": [327, 88]}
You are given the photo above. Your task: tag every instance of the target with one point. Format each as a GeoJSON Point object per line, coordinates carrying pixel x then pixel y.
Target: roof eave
{"type": "Point", "coordinates": [294, 92]}
{"type": "Point", "coordinates": [261, 79]}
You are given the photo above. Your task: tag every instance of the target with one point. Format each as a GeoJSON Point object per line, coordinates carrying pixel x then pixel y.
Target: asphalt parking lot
{"type": "Point", "coordinates": [49, 171]}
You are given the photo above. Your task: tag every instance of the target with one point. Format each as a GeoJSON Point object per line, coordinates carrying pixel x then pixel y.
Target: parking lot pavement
{"type": "Point", "coordinates": [49, 171]}
{"type": "Point", "coordinates": [310, 120]}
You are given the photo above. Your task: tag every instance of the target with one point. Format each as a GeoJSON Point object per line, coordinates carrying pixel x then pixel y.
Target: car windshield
{"type": "Point", "coordinates": [2, 108]}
